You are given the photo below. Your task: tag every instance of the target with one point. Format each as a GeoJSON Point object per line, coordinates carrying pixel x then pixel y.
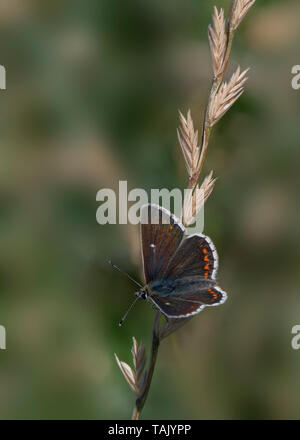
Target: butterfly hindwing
{"type": "Point", "coordinates": [161, 234]}
{"type": "Point", "coordinates": [185, 296]}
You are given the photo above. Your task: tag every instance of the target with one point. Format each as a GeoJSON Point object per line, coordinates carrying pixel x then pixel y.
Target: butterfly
{"type": "Point", "coordinates": [180, 270]}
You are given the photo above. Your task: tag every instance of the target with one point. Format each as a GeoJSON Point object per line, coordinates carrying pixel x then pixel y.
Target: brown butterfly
{"type": "Point", "coordinates": [180, 270]}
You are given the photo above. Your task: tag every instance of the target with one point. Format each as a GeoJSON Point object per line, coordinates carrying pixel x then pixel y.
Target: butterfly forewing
{"type": "Point", "coordinates": [196, 256]}
{"type": "Point", "coordinates": [161, 234]}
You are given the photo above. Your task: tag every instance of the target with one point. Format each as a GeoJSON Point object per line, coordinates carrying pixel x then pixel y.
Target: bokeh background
{"type": "Point", "coordinates": [93, 92]}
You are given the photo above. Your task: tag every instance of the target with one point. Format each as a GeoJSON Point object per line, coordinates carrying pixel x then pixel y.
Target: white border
{"type": "Point", "coordinates": [214, 252]}
{"type": "Point", "coordinates": [161, 208]}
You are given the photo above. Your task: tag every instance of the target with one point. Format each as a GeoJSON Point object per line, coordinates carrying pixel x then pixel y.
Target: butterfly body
{"type": "Point", "coordinates": [179, 286]}
{"type": "Point", "coordinates": [180, 270]}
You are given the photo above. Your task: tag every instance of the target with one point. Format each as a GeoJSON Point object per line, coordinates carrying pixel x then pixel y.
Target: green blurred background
{"type": "Point", "coordinates": [93, 92]}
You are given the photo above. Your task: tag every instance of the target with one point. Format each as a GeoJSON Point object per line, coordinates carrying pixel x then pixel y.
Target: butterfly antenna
{"type": "Point", "coordinates": [128, 310]}
{"type": "Point", "coordinates": [124, 273]}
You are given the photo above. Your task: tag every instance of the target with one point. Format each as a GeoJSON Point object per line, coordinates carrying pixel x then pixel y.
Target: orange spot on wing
{"type": "Point", "coordinates": [213, 293]}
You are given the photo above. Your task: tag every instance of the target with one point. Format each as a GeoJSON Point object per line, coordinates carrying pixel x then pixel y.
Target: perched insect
{"type": "Point", "coordinates": [180, 271]}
